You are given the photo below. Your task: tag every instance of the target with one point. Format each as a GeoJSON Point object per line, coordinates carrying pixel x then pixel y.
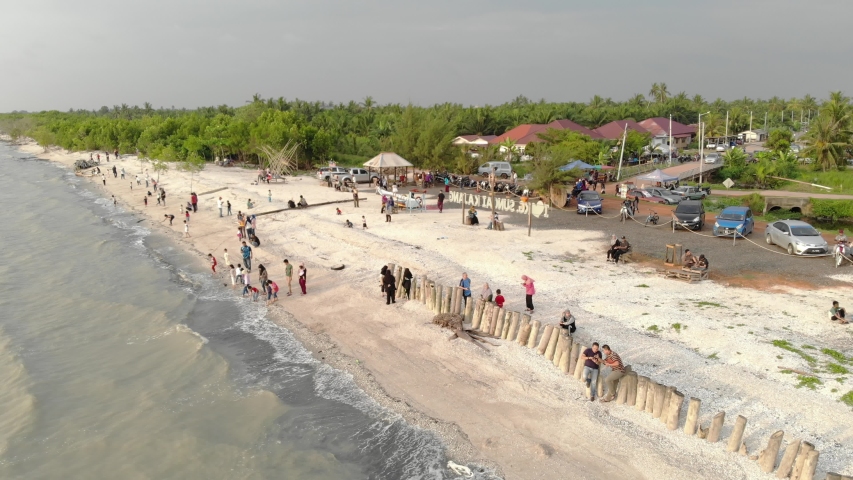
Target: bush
{"type": "Point", "coordinates": [719, 203]}
{"type": "Point", "coordinates": [832, 209]}
{"type": "Point", "coordinates": [755, 203]}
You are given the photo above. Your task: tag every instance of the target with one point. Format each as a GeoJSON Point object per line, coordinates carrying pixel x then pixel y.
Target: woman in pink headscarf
{"type": "Point", "coordinates": [529, 290]}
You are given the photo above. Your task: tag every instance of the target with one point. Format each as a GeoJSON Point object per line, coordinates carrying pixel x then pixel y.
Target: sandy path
{"type": "Point", "coordinates": [515, 408]}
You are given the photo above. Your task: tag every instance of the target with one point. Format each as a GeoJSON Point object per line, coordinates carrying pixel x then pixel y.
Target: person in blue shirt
{"type": "Point", "coordinates": [247, 255]}
{"type": "Point", "coordinates": [465, 283]}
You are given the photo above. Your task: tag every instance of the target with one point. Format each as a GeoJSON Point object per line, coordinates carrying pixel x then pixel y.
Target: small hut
{"type": "Point", "coordinates": [387, 161]}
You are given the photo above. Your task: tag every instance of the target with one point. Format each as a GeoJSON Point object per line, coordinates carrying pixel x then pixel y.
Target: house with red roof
{"type": "Point", "coordinates": [473, 140]}
{"type": "Point", "coordinates": [682, 134]}
{"type": "Point", "coordinates": [615, 129]}
{"type": "Point", "coordinates": [522, 135]}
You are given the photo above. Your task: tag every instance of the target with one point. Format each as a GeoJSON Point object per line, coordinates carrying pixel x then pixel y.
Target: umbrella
{"type": "Point", "coordinates": [657, 176]}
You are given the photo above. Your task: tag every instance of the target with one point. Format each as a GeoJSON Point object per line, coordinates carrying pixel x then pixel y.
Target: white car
{"type": "Point", "coordinates": [711, 146]}
{"type": "Point", "coordinates": [712, 158]}
{"type": "Point", "coordinates": [721, 147]}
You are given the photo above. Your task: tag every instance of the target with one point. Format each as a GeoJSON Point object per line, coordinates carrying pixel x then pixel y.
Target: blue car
{"type": "Point", "coordinates": [589, 201]}
{"type": "Point", "coordinates": [734, 220]}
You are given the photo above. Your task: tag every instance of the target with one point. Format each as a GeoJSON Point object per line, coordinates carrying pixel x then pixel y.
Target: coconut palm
{"type": "Point", "coordinates": [827, 142]}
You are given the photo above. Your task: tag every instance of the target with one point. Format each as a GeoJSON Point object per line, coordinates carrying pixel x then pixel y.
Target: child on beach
{"type": "Point", "coordinates": [145, 200]}
{"type": "Point", "coordinates": [232, 272]}
{"type": "Point", "coordinates": [499, 299]}
{"type": "Point", "coordinates": [186, 229]}
{"type": "Point", "coordinates": [338, 210]}
{"type": "Point", "coordinates": [269, 195]}
{"type": "Point", "coordinates": [239, 272]}
{"type": "Point", "coordinates": [187, 216]}
{"type": "Point", "coordinates": [226, 257]}
{"type": "Point", "coordinates": [169, 218]}
{"type": "Point", "coordinates": [363, 223]}
{"type": "Point", "coordinates": [212, 262]}
{"type": "Point", "coordinates": [272, 292]}
{"type": "Point", "coordinates": [239, 234]}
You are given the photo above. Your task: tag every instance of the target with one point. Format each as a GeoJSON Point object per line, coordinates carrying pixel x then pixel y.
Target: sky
{"type": "Point", "coordinates": [61, 54]}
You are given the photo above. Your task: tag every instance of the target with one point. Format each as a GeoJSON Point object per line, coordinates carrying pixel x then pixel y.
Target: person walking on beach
{"type": "Point", "coordinates": [226, 257]}
{"type": "Point", "coordinates": [407, 283]}
{"type": "Point", "coordinates": [233, 273]}
{"type": "Point", "coordinates": [145, 200]}
{"type": "Point", "coordinates": [170, 218]}
{"type": "Point", "coordinates": [122, 173]}
{"type": "Point", "coordinates": [187, 216]}
{"type": "Point", "coordinates": [389, 207]}
{"type": "Point", "coordinates": [194, 201]}
{"type": "Point", "coordinates": [212, 262]}
{"type": "Point", "coordinates": [239, 272]}
{"type": "Point", "coordinates": [115, 202]}
{"type": "Point", "coordinates": [446, 184]}
{"type": "Point", "coordinates": [219, 206]}
{"type": "Point", "coordinates": [363, 223]}
{"type": "Point", "coordinates": [355, 196]}
{"type": "Point", "coordinates": [228, 205]}
{"type": "Point", "coordinates": [440, 202]}
{"type": "Point", "coordinates": [303, 278]}
{"type": "Point", "coordinates": [592, 359]}
{"type": "Point", "coordinates": [269, 195]}
{"type": "Point", "coordinates": [247, 255]}
{"type": "Point", "coordinates": [104, 179]}
{"type": "Point", "coordinates": [115, 172]}
{"type": "Point", "coordinates": [163, 195]}
{"type": "Point", "coordinates": [465, 283]}
{"type": "Point", "coordinates": [272, 292]}
{"type": "Point", "coordinates": [288, 273]}
{"type": "Point", "coordinates": [186, 229]}
{"type": "Point", "coordinates": [390, 284]}
{"type": "Point", "coordinates": [529, 291]}
{"type": "Point", "coordinates": [262, 275]}
{"type": "Point", "coordinates": [617, 371]}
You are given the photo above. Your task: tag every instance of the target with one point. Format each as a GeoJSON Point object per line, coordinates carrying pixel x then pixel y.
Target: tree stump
{"type": "Point", "coordinates": [631, 394]}
{"type": "Point", "coordinates": [552, 343]}
{"type": "Point", "coordinates": [499, 323]}
{"type": "Point", "coordinates": [506, 325]}
{"type": "Point", "coordinates": [558, 350]}
{"type": "Point", "coordinates": [497, 316]}
{"type": "Point", "coordinates": [802, 454]}
{"type": "Point", "coordinates": [767, 458]}
{"type": "Point", "coordinates": [660, 397]}
{"type": "Point", "coordinates": [512, 330]}
{"type": "Point", "coordinates": [543, 342]}
{"type": "Point", "coordinates": [651, 392]}
{"type": "Point", "coordinates": [478, 314]}
{"type": "Point", "coordinates": [809, 466]}
{"type": "Point", "coordinates": [566, 356]}
{"type": "Point", "coordinates": [573, 356]}
{"type": "Point", "coordinates": [692, 416]}
{"type": "Point", "coordinates": [524, 333]}
{"type": "Point", "coordinates": [642, 386]}
{"type": "Point", "coordinates": [579, 363]}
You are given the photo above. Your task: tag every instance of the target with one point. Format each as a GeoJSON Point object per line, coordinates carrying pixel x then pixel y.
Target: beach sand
{"type": "Point", "coordinates": [506, 407]}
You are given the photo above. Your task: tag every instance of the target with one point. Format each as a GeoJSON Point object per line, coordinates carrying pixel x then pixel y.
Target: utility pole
{"type": "Point", "coordinates": [701, 145]}
{"type": "Point", "coordinates": [670, 139]}
{"type": "Point", "coordinates": [727, 128]}
{"type": "Point", "coordinates": [765, 123]}
{"type": "Point", "coordinates": [492, 194]}
{"type": "Point", "coordinates": [622, 153]}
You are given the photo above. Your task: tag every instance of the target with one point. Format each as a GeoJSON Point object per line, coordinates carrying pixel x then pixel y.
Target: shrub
{"type": "Point", "coordinates": [755, 203]}
{"type": "Point", "coordinates": [832, 209]}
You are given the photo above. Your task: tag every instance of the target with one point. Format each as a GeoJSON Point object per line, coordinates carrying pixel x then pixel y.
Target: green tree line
{"type": "Point", "coordinates": [359, 130]}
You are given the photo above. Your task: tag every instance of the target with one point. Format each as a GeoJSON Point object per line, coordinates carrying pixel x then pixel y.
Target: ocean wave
{"type": "Point", "coordinates": [17, 404]}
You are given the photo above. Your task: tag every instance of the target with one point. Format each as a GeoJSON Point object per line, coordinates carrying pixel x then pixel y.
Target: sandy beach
{"type": "Point", "coordinates": [507, 408]}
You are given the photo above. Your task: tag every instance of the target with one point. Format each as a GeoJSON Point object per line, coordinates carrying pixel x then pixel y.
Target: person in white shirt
{"type": "Point", "coordinates": [219, 206]}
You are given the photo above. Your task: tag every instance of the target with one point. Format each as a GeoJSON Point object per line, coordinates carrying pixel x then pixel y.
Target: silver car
{"type": "Point", "coordinates": [666, 194]}
{"type": "Point", "coordinates": [798, 238]}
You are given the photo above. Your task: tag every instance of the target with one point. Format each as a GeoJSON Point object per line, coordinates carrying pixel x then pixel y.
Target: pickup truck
{"type": "Point", "coordinates": [326, 172]}
{"type": "Point", "coordinates": [690, 193]}
{"type": "Point", "coordinates": [357, 175]}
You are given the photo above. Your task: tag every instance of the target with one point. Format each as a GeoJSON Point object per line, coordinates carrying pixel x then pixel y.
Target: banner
{"type": "Point", "coordinates": [502, 204]}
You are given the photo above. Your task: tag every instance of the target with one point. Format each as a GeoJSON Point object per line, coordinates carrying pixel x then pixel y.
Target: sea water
{"type": "Point", "coordinates": [119, 359]}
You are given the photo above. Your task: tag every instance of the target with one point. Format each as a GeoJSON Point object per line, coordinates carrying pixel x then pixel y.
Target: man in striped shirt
{"type": "Point", "coordinates": [617, 371]}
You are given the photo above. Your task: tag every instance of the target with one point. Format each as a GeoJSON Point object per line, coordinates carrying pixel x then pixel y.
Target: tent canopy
{"type": "Point", "coordinates": [657, 176]}
{"type": "Point", "coordinates": [580, 164]}
{"type": "Point", "coordinates": [387, 160]}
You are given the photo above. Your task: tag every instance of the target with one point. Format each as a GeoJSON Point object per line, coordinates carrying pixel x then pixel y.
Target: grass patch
{"type": "Point", "coordinates": [838, 356]}
{"type": "Point", "coordinates": [709, 304]}
{"type": "Point", "coordinates": [809, 347]}
{"type": "Point", "coordinates": [642, 285]}
{"type": "Point", "coordinates": [847, 398]}
{"type": "Point", "coordinates": [653, 328]}
{"type": "Point", "coordinates": [837, 369]}
{"type": "Point", "coordinates": [677, 327]}
{"type": "Point", "coordinates": [786, 372]}
{"type": "Point", "coordinates": [645, 313]}
{"type": "Point", "coordinates": [529, 255]}
{"type": "Point", "coordinates": [786, 345]}
{"type": "Point", "coordinates": [713, 356]}
{"type": "Point", "coordinates": [809, 382]}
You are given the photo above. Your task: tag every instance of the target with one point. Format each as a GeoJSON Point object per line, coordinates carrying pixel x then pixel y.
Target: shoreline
{"type": "Point", "coordinates": [392, 391]}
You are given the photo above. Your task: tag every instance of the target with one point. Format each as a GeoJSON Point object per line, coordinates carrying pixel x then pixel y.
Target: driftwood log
{"type": "Point", "coordinates": [453, 322]}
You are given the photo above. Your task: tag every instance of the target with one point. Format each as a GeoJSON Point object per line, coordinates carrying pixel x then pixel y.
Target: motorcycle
{"type": "Point", "coordinates": [623, 212]}
{"type": "Point", "coordinates": [652, 218]}
{"type": "Point", "coordinates": [841, 253]}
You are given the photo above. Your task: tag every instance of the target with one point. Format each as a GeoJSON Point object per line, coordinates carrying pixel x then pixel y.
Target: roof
{"type": "Point", "coordinates": [660, 126]}
{"type": "Point", "coordinates": [473, 139]}
{"type": "Point", "coordinates": [529, 132]}
{"type": "Point", "coordinates": [387, 160]}
{"type": "Point", "coordinates": [757, 130]}
{"type": "Point", "coordinates": [614, 129]}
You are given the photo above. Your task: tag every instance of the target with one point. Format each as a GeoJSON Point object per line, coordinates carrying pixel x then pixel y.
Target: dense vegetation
{"type": "Point", "coordinates": [353, 132]}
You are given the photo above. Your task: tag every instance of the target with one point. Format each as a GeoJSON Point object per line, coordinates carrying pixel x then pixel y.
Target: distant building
{"type": "Point", "coordinates": [615, 129]}
{"type": "Point", "coordinates": [751, 136]}
{"type": "Point", "coordinates": [473, 140]}
{"type": "Point", "coordinates": [523, 135]}
{"type": "Point", "coordinates": [682, 134]}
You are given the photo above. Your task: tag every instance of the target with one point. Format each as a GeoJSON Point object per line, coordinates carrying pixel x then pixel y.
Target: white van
{"type": "Point", "coordinates": [502, 169]}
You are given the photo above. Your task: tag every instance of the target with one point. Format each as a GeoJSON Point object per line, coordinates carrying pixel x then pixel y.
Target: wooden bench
{"type": "Point", "coordinates": [684, 274]}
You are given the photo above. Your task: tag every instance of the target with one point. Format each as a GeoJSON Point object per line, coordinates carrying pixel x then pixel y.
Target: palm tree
{"type": "Point", "coordinates": [663, 93]}
{"type": "Point", "coordinates": [654, 92]}
{"type": "Point", "coordinates": [827, 142]}
{"type": "Point", "coordinates": [508, 146]}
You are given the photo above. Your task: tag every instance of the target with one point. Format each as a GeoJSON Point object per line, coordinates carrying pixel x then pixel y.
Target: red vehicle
{"type": "Point", "coordinates": [645, 195]}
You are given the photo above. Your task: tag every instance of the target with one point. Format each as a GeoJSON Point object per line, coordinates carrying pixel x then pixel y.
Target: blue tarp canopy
{"type": "Point", "coordinates": [579, 164]}
{"type": "Point", "coordinates": [657, 176]}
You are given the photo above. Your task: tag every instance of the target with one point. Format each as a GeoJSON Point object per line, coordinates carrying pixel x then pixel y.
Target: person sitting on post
{"type": "Point", "coordinates": [493, 223]}
{"type": "Point", "coordinates": [701, 264]}
{"type": "Point", "coordinates": [837, 314]}
{"type": "Point", "coordinates": [688, 260]}
{"type": "Point", "coordinates": [472, 215]}
{"type": "Point", "coordinates": [567, 321]}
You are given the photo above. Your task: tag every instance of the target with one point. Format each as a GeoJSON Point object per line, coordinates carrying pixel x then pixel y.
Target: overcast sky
{"type": "Point", "coordinates": [61, 54]}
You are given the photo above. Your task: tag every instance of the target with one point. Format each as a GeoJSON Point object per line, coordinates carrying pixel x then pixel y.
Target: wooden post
{"type": "Point", "coordinates": [674, 412]}
{"type": "Point", "coordinates": [446, 305]}
{"type": "Point", "coordinates": [487, 317]}
{"type": "Point", "coordinates": [621, 393]}
{"type": "Point", "coordinates": [398, 278]}
{"type": "Point", "coordinates": [788, 459]}
{"type": "Point", "coordinates": [422, 290]}
{"type": "Point", "coordinates": [809, 466]}
{"type": "Point", "coordinates": [454, 297]}
{"type": "Point", "coordinates": [546, 337]}
{"type": "Point", "coordinates": [716, 427]}
{"type": "Point", "coordinates": [692, 416]}
{"type": "Point", "coordinates": [469, 309]}
{"type": "Point", "coordinates": [767, 458]}
{"type": "Point", "coordinates": [505, 326]}
{"type": "Point", "coordinates": [558, 351]}
{"type": "Point", "coordinates": [478, 314]}
{"type": "Point", "coordinates": [512, 331]}
{"type": "Point", "coordinates": [660, 394]}
{"type": "Point", "coordinates": [651, 392]}
{"type": "Point", "coordinates": [433, 293]}
{"type": "Point", "coordinates": [439, 298]}
{"type": "Point", "coordinates": [642, 386]}
{"type": "Point", "coordinates": [573, 356]}
{"type": "Point", "coordinates": [496, 327]}
{"type": "Point", "coordinates": [736, 438]}
{"type": "Point", "coordinates": [566, 356]}
{"type": "Point", "coordinates": [552, 343]}
{"type": "Point", "coordinates": [800, 462]}
{"type": "Point", "coordinates": [579, 364]}
{"type": "Point", "coordinates": [524, 332]}
{"type": "Point", "coordinates": [631, 393]}
{"type": "Point", "coordinates": [534, 332]}
{"type": "Point", "coordinates": [833, 476]}
{"type": "Point", "coordinates": [666, 397]}
{"type": "Point", "coordinates": [460, 301]}
{"type": "Point", "coordinates": [702, 433]}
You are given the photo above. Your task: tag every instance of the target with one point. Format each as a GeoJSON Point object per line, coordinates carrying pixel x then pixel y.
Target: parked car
{"type": "Point", "coordinates": [645, 195]}
{"type": "Point", "coordinates": [690, 214]}
{"type": "Point", "coordinates": [325, 172]}
{"type": "Point", "coordinates": [712, 157]}
{"type": "Point", "coordinates": [502, 169]}
{"type": "Point", "coordinates": [669, 197]}
{"type": "Point", "coordinates": [589, 201]}
{"type": "Point", "coordinates": [799, 238]}
{"type": "Point", "coordinates": [357, 175]}
{"type": "Point", "coordinates": [796, 149]}
{"type": "Point", "coordinates": [690, 193]}
{"type": "Point", "coordinates": [721, 147]}
{"type": "Point", "coordinates": [734, 221]}
{"type": "Point", "coordinates": [711, 146]}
